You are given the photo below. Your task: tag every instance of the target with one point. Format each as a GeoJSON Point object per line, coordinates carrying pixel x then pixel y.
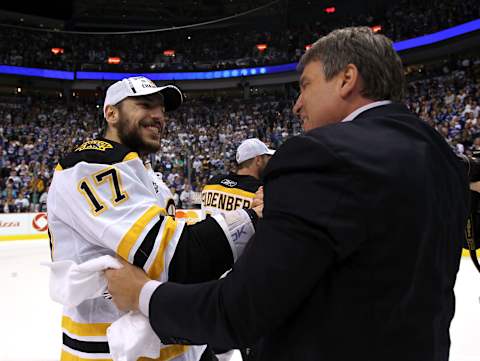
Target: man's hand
{"type": "Point", "coordinates": [125, 285]}
{"type": "Point", "coordinates": [475, 186]}
{"type": "Point", "coordinates": [258, 199]}
{"type": "Point", "coordinates": [257, 203]}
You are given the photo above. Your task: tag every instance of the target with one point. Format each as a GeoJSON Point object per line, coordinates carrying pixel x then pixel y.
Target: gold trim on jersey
{"type": "Point", "coordinates": [100, 329]}
{"type": "Point", "coordinates": [58, 167]}
{"type": "Point", "coordinates": [67, 356]}
{"type": "Point", "coordinates": [167, 353]}
{"type": "Point", "coordinates": [158, 263]}
{"type": "Point", "coordinates": [130, 238]}
{"type": "Point", "coordinates": [94, 145]}
{"type": "Point", "coordinates": [130, 156]}
{"type": "Point", "coordinates": [84, 329]}
{"type": "Point", "coordinates": [236, 191]}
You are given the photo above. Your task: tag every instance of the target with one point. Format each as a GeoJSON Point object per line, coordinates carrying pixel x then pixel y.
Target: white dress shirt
{"type": "Point", "coordinates": [357, 112]}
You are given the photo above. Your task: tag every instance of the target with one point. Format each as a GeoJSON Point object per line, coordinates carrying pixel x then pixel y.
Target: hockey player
{"type": "Point", "coordinates": [104, 201]}
{"type": "Point", "coordinates": [237, 190]}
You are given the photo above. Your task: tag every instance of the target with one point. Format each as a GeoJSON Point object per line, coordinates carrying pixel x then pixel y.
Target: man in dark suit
{"type": "Point", "coordinates": [357, 254]}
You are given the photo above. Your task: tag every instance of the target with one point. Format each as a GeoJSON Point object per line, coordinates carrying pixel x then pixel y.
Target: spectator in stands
{"type": "Point", "coordinates": [187, 197]}
{"type": "Point", "coordinates": [175, 197]}
{"type": "Point", "coordinates": [43, 201]}
{"type": "Point", "coordinates": [22, 203]}
{"type": "Point", "coordinates": [10, 189]}
{"type": "Point", "coordinates": [9, 204]}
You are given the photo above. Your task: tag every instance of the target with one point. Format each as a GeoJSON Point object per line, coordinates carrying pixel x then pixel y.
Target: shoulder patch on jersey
{"type": "Point", "coordinates": [96, 144]}
{"type": "Point", "coordinates": [216, 179]}
{"type": "Point", "coordinates": [98, 151]}
{"type": "Point", "coordinates": [228, 183]}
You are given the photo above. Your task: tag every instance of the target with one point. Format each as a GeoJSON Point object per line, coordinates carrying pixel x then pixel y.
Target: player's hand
{"type": "Point", "coordinates": [258, 199]}
{"type": "Point", "coordinates": [125, 285]}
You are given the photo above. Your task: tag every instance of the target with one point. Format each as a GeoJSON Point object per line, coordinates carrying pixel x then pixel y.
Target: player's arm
{"type": "Point", "coordinates": [115, 209]}
{"type": "Point", "coordinates": [208, 248]}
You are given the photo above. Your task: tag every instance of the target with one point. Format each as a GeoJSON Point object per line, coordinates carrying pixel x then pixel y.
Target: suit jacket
{"type": "Point", "coordinates": [355, 258]}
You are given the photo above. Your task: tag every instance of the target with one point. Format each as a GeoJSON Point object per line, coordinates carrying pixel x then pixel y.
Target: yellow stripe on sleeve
{"type": "Point", "coordinates": [158, 263]}
{"type": "Point", "coordinates": [129, 239]}
{"type": "Point", "coordinates": [466, 253]}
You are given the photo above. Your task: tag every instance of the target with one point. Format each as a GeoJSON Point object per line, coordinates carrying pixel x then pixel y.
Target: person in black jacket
{"type": "Point", "coordinates": [357, 254]}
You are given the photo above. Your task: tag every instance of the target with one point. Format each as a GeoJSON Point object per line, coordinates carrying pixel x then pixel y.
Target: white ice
{"type": "Point", "coordinates": [30, 321]}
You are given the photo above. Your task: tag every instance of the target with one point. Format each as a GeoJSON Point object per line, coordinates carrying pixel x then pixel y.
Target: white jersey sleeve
{"type": "Point", "coordinates": [114, 207]}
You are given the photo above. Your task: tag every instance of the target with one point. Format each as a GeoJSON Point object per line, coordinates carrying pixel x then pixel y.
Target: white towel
{"type": "Point", "coordinates": [71, 284]}
{"type": "Point", "coordinates": [131, 336]}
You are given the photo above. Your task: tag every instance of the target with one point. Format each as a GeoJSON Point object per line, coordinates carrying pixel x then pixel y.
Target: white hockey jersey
{"type": "Point", "coordinates": [103, 201]}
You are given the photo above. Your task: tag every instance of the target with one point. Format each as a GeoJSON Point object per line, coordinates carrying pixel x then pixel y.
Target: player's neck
{"type": "Point", "coordinates": [112, 135]}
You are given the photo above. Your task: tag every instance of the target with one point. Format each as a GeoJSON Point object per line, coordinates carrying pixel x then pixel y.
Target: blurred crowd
{"type": "Point", "coordinates": [451, 104]}
{"type": "Point", "coordinates": [200, 141]}
{"type": "Point", "coordinates": [214, 49]}
{"type": "Point", "coordinates": [202, 136]}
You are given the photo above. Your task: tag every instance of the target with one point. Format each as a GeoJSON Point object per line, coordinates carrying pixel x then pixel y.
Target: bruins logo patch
{"type": "Point", "coordinates": [94, 145]}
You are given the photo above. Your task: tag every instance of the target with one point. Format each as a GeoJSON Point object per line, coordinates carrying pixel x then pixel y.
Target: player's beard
{"type": "Point", "coordinates": [132, 138]}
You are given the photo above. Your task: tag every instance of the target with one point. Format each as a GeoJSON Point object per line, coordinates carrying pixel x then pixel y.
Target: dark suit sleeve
{"type": "Point", "coordinates": [307, 188]}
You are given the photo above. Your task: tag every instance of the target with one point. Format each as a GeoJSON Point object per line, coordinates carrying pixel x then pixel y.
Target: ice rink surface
{"type": "Point", "coordinates": [30, 321]}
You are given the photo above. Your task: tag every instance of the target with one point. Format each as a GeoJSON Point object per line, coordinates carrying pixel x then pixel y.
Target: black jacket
{"type": "Point", "coordinates": [355, 258]}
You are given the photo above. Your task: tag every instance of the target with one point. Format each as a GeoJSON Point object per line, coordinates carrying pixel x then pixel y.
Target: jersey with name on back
{"type": "Point", "coordinates": [225, 193]}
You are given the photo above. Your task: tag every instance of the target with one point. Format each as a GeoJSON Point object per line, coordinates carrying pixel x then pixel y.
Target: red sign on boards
{"type": "Point", "coordinates": [39, 222]}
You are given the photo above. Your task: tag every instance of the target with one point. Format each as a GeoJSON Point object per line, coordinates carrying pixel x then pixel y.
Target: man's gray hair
{"type": "Point", "coordinates": [378, 63]}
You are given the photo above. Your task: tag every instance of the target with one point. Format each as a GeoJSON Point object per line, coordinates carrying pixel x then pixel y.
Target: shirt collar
{"type": "Point", "coordinates": [356, 113]}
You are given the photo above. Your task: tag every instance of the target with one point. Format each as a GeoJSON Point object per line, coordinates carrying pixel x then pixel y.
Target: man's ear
{"type": "Point", "coordinates": [349, 80]}
{"type": "Point", "coordinates": [111, 114]}
{"type": "Point", "coordinates": [258, 160]}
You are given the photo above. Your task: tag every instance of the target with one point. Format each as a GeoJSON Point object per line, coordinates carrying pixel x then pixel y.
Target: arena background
{"type": "Point", "coordinates": [235, 60]}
